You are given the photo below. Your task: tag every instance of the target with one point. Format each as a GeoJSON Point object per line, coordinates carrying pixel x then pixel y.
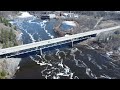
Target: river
{"type": "Point", "coordinates": [66, 63]}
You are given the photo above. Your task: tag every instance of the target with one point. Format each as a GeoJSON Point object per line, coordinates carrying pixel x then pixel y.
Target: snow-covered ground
{"type": "Point", "coordinates": [52, 15]}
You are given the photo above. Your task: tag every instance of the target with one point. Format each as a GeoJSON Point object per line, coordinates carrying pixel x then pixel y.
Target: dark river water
{"type": "Point", "coordinates": [66, 63]}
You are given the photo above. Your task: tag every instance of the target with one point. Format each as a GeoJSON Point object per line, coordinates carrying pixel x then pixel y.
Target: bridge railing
{"type": "Point", "coordinates": [57, 45]}
{"type": "Point", "coordinates": [53, 41]}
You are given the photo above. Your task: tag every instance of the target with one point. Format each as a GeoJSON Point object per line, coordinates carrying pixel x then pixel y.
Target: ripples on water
{"type": "Point", "coordinates": [68, 63]}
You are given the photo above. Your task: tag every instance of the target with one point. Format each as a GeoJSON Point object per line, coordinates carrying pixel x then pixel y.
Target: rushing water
{"type": "Point", "coordinates": [66, 63]}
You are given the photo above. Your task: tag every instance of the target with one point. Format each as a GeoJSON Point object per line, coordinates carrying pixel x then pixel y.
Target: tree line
{"type": "Point", "coordinates": [8, 38]}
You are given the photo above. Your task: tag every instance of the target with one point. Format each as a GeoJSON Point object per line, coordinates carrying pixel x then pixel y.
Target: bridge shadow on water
{"type": "Point", "coordinates": [37, 52]}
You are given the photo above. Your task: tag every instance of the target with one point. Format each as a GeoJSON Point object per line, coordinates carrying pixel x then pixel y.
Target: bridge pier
{"type": "Point", "coordinates": [72, 42]}
{"type": "Point", "coordinates": [41, 51]}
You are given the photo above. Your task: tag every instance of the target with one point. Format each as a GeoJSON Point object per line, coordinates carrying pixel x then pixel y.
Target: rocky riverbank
{"type": "Point", "coordinates": [86, 23]}
{"type": "Point", "coordinates": [73, 30]}
{"type": "Point", "coordinates": [9, 37]}
{"type": "Point", "coordinates": [8, 67]}
{"type": "Point", "coordinates": [107, 43]}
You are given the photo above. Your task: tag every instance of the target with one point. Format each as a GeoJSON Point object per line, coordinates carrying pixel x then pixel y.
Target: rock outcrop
{"type": "Point", "coordinates": [9, 67]}
{"type": "Point", "coordinates": [8, 37]}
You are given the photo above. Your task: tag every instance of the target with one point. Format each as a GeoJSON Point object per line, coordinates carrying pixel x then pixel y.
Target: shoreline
{"type": "Point", "coordinates": [90, 44]}
{"type": "Point", "coordinates": [9, 66]}
{"type": "Point", "coordinates": [94, 42]}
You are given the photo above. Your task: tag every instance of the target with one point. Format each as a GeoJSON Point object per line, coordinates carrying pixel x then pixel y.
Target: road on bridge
{"type": "Point", "coordinates": [52, 41]}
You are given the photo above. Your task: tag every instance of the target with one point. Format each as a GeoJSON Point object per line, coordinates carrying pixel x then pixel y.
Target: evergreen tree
{"type": "Point", "coordinates": [0, 19]}
{"type": "Point", "coordinates": [15, 28]}
{"type": "Point", "coordinates": [11, 35]}
{"type": "Point", "coordinates": [10, 25]}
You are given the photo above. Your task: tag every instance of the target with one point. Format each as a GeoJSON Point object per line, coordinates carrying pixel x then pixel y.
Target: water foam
{"type": "Point", "coordinates": [43, 25]}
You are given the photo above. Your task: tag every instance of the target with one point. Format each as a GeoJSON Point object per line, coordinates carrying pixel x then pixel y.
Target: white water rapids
{"type": "Point", "coordinates": [73, 63]}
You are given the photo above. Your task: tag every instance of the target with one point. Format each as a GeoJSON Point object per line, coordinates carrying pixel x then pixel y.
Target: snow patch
{"type": "Point", "coordinates": [44, 21]}
{"type": "Point", "coordinates": [67, 35]}
{"type": "Point", "coordinates": [66, 14]}
{"type": "Point", "coordinates": [71, 23]}
{"type": "Point", "coordinates": [24, 15]}
{"type": "Point", "coordinates": [109, 53]}
{"type": "Point", "coordinates": [52, 15]}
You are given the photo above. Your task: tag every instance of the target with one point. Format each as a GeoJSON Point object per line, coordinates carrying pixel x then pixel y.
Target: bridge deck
{"type": "Point", "coordinates": [52, 41]}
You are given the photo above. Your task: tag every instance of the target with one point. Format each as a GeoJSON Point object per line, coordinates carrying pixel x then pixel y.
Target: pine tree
{"type": "Point", "coordinates": [11, 35]}
{"type": "Point", "coordinates": [0, 19]}
{"type": "Point", "coordinates": [10, 25]}
{"type": "Point", "coordinates": [15, 28]}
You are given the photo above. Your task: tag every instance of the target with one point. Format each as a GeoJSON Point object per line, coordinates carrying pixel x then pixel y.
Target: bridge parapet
{"type": "Point", "coordinates": [71, 38]}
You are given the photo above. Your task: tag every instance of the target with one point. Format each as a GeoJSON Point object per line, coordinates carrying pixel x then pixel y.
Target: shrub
{"type": "Point", "coordinates": [2, 74]}
{"type": "Point", "coordinates": [15, 28]}
{"type": "Point", "coordinates": [8, 38]}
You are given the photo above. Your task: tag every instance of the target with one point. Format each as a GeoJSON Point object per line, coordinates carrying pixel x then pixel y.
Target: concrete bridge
{"type": "Point", "coordinates": [39, 47]}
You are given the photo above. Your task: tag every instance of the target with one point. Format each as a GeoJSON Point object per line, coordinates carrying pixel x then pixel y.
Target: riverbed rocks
{"type": "Point", "coordinates": [107, 42]}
